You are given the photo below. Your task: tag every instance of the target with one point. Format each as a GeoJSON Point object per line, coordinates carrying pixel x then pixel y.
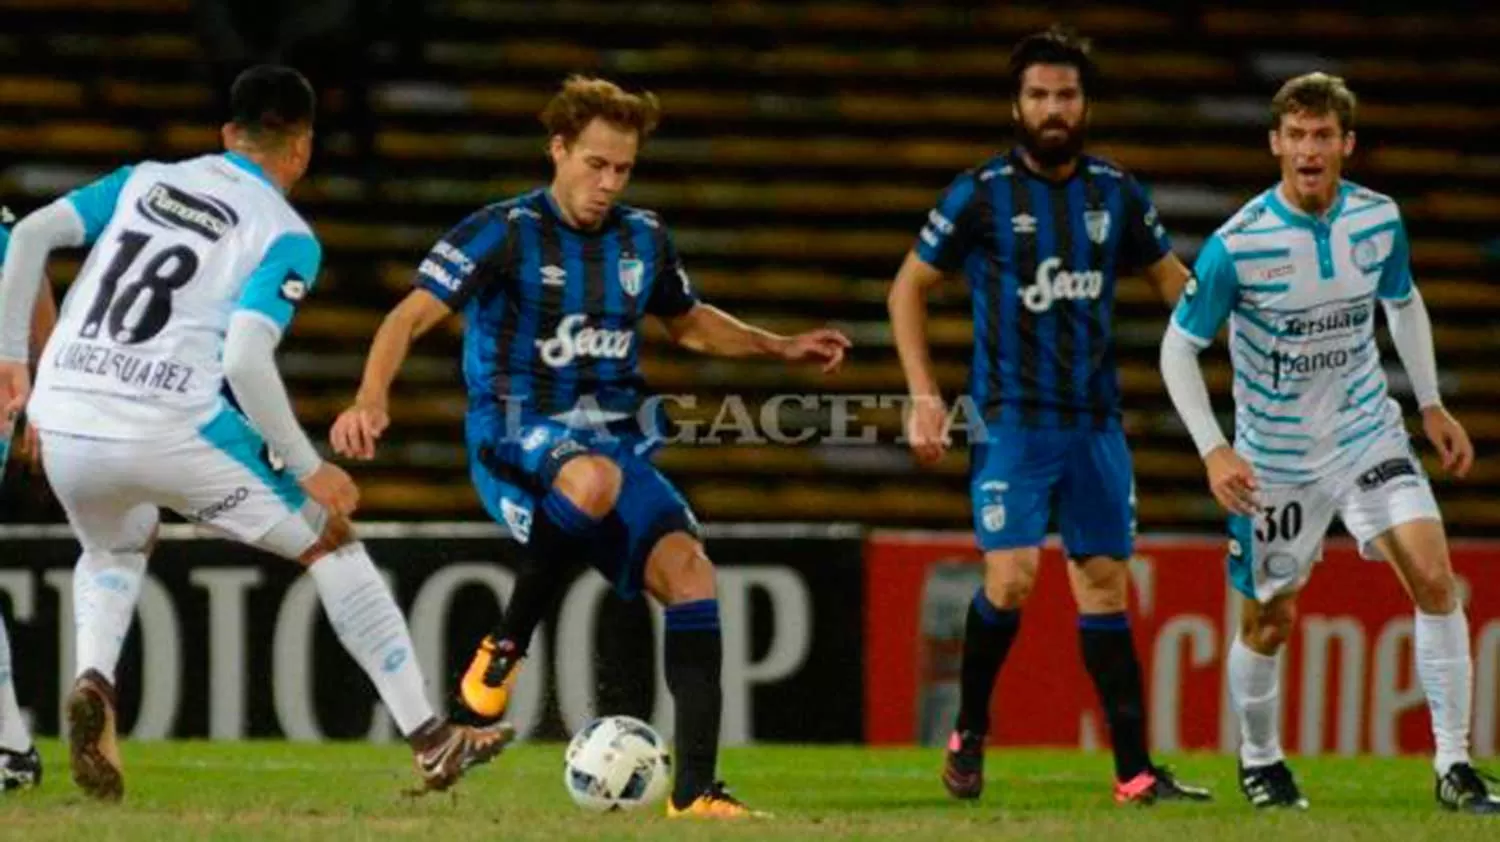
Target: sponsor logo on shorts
{"type": "Point", "coordinates": [1386, 471]}
{"type": "Point", "coordinates": [1281, 565]}
{"type": "Point", "coordinates": [228, 504]}
{"type": "Point", "coordinates": [564, 449]}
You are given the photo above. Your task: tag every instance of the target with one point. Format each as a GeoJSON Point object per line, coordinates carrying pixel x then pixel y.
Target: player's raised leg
{"type": "Point", "coordinates": [20, 764]}
{"type": "Point", "coordinates": [565, 525]}
{"type": "Point", "coordinates": [373, 631]}
{"type": "Point", "coordinates": [680, 576]}
{"type": "Point", "coordinates": [1418, 549]}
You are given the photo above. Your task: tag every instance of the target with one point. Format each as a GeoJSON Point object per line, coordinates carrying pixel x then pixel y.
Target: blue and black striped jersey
{"type": "Point", "coordinates": [551, 312]}
{"type": "Point", "coordinates": [1042, 259]}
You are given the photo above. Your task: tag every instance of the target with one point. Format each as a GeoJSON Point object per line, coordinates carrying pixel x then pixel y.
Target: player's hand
{"type": "Point", "coordinates": [927, 429]}
{"type": "Point", "coordinates": [824, 345]}
{"type": "Point", "coordinates": [1232, 480]}
{"type": "Point", "coordinates": [15, 388]}
{"type": "Point", "coordinates": [333, 489]}
{"type": "Point", "coordinates": [29, 449]}
{"type": "Point", "coordinates": [1450, 439]}
{"type": "Point", "coordinates": [357, 429]}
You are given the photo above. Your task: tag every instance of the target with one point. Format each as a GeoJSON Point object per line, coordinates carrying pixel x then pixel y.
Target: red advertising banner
{"type": "Point", "coordinates": [1348, 686]}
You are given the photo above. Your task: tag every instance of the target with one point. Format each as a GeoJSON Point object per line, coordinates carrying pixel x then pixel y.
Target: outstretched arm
{"type": "Point", "coordinates": [708, 330]}
{"type": "Point", "coordinates": [358, 427]}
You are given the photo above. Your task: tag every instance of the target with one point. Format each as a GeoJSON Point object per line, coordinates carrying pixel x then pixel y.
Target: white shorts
{"type": "Point", "coordinates": [1273, 553]}
{"type": "Point", "coordinates": [223, 479]}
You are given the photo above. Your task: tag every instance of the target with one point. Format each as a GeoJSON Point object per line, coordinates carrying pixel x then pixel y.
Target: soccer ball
{"type": "Point", "coordinates": [616, 763]}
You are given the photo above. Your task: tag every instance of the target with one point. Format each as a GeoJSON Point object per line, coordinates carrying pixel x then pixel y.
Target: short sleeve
{"type": "Point", "coordinates": [95, 202]}
{"type": "Point", "coordinates": [458, 265]}
{"type": "Point", "coordinates": [947, 236]}
{"type": "Point", "coordinates": [1208, 297]}
{"type": "Point", "coordinates": [1144, 240]}
{"type": "Point", "coordinates": [1395, 274]}
{"type": "Point", "coordinates": [671, 291]}
{"type": "Point", "coordinates": [284, 277]}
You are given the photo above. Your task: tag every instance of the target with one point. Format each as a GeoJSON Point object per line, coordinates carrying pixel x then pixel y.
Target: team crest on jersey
{"type": "Point", "coordinates": [632, 270]}
{"type": "Point", "coordinates": [1365, 255]}
{"type": "Point", "coordinates": [1096, 223]}
{"type": "Point", "coordinates": [204, 215]}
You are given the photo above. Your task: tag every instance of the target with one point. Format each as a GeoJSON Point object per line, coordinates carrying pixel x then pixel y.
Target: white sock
{"type": "Point", "coordinates": [13, 733]}
{"type": "Point", "coordinates": [368, 623]}
{"type": "Point", "coordinates": [106, 587]}
{"type": "Point", "coordinates": [1254, 688]}
{"type": "Point", "coordinates": [1447, 675]}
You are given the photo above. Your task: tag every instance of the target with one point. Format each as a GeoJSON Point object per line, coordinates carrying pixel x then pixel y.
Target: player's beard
{"type": "Point", "coordinates": [1052, 152]}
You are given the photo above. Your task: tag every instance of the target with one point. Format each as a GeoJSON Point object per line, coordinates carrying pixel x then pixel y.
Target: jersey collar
{"type": "Point", "coordinates": [251, 167]}
{"type": "Point", "coordinates": [1301, 219]}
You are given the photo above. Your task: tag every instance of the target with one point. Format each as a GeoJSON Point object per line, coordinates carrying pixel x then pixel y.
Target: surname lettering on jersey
{"type": "Point", "coordinates": [125, 368]}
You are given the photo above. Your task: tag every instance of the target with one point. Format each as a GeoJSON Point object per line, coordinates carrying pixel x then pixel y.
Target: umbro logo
{"type": "Point", "coordinates": [554, 276]}
{"type": "Point", "coordinates": [1023, 223]}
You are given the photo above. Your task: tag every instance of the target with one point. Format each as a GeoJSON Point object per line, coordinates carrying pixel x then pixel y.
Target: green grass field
{"type": "Point", "coordinates": [354, 791]}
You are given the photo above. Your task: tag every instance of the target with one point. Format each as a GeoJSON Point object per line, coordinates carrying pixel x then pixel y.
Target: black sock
{"type": "Point", "coordinates": [694, 655]}
{"type": "Point", "coordinates": [1109, 655]}
{"type": "Point", "coordinates": [561, 536]}
{"type": "Point", "coordinates": [988, 635]}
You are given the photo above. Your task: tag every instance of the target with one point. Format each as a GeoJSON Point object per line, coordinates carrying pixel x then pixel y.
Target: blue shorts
{"type": "Point", "coordinates": [513, 473]}
{"type": "Point", "coordinates": [1017, 472]}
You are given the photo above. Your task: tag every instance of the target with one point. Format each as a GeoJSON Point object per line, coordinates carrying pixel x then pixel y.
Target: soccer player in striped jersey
{"type": "Point", "coordinates": [20, 764]}
{"type": "Point", "coordinates": [553, 285]}
{"type": "Point", "coordinates": [1297, 273]}
{"type": "Point", "coordinates": [1042, 234]}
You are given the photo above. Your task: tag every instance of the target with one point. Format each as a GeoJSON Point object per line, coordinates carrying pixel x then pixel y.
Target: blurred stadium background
{"type": "Point", "coordinates": [802, 145]}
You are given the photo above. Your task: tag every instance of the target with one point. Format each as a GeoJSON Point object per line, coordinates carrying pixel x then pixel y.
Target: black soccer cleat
{"type": "Point", "coordinates": [20, 769]}
{"type": "Point", "coordinates": [1266, 787]}
{"type": "Point", "coordinates": [963, 765]}
{"type": "Point", "coordinates": [1462, 789]}
{"type": "Point", "coordinates": [1169, 788]}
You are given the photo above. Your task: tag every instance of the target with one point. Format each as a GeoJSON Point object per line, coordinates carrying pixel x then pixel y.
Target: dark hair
{"type": "Point", "coordinates": [584, 98]}
{"type": "Point", "coordinates": [1058, 45]}
{"type": "Point", "coordinates": [272, 100]}
{"type": "Point", "coordinates": [1316, 94]}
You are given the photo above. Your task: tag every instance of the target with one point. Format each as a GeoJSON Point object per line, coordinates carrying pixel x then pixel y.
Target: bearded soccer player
{"type": "Point", "coordinates": [1042, 234]}
{"type": "Point", "coordinates": [1297, 273]}
{"type": "Point", "coordinates": [553, 285]}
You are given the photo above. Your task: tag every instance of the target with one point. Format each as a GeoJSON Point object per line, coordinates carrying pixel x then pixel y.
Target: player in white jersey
{"type": "Point", "coordinates": [1298, 273]}
{"type": "Point", "coordinates": [196, 271]}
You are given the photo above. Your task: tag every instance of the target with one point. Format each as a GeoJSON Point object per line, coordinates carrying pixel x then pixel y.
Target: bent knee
{"type": "Point", "coordinates": [1267, 631]}
{"type": "Point", "coordinates": [337, 532]}
{"type": "Point", "coordinates": [592, 483]}
{"type": "Point", "coordinates": [1435, 592]}
{"type": "Point", "coordinates": [1008, 580]}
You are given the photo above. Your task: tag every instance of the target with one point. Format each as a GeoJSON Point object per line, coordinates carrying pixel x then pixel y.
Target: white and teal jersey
{"type": "Point", "coordinates": [1300, 296]}
{"type": "Point", "coordinates": [177, 248]}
